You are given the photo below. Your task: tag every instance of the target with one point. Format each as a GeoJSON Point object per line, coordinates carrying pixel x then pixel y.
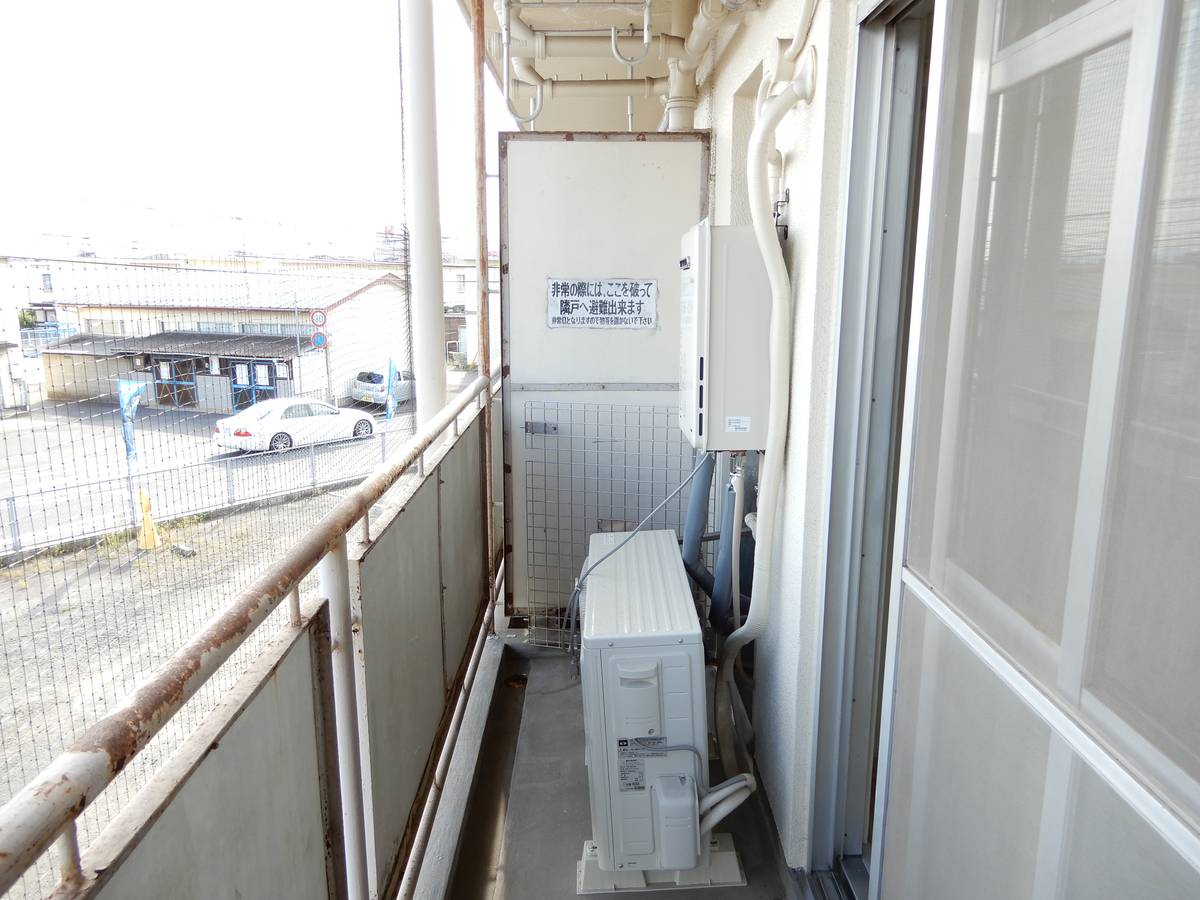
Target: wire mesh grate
{"type": "Point", "coordinates": [592, 468]}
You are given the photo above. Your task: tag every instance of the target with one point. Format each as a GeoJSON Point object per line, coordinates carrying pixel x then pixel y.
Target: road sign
{"type": "Point", "coordinates": [320, 340]}
{"type": "Point", "coordinates": [319, 318]}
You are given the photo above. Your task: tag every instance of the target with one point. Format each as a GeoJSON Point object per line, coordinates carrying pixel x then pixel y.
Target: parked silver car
{"type": "Point", "coordinates": [368, 387]}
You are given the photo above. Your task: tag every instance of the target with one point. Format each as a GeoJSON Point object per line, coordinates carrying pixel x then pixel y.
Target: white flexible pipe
{"type": "Point", "coordinates": [780, 354]}
{"type": "Point", "coordinates": [713, 817]}
{"type": "Point", "coordinates": [738, 480]}
{"type": "Point", "coordinates": [745, 781]}
{"type": "Point", "coordinates": [802, 31]}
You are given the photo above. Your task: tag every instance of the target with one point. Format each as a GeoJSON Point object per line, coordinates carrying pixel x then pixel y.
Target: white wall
{"type": "Point", "coordinates": [12, 299]}
{"type": "Point", "coordinates": [77, 377]}
{"type": "Point", "coordinates": [365, 332]}
{"type": "Point", "coordinates": [308, 374]}
{"type": "Point", "coordinates": [814, 142]}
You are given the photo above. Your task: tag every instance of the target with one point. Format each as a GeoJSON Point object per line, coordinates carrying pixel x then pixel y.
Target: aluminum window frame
{"type": "Point", "coordinates": [890, 72]}
{"type": "Point", "coordinates": [1073, 742]}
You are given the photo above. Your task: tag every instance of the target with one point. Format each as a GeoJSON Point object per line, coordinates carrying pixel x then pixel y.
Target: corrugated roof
{"type": "Point", "coordinates": [187, 343]}
{"type": "Point", "coordinates": [84, 344]}
{"type": "Point", "coordinates": [203, 343]}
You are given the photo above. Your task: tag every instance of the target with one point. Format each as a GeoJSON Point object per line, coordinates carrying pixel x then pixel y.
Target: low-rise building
{"type": "Point", "coordinates": [220, 341]}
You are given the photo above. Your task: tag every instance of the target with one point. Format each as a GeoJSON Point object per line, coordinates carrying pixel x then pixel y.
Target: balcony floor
{"type": "Point", "coordinates": [528, 817]}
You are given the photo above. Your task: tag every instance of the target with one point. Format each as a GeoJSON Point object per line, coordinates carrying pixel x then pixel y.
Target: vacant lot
{"type": "Point", "coordinates": [81, 630]}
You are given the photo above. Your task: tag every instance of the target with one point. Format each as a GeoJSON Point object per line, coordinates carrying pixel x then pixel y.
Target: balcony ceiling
{"type": "Point", "coordinates": [591, 114]}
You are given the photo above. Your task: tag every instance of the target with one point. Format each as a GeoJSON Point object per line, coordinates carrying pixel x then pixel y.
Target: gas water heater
{"type": "Point", "coordinates": [724, 323]}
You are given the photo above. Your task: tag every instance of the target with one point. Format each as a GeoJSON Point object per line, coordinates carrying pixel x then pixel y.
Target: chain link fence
{"type": "Point", "coordinates": [124, 523]}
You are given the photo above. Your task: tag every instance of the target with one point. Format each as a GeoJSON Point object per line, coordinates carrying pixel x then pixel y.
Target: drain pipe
{"type": "Point", "coordinates": [710, 16]}
{"type": "Point", "coordinates": [774, 108]}
{"type": "Point", "coordinates": [525, 43]}
{"type": "Point", "coordinates": [587, 87]}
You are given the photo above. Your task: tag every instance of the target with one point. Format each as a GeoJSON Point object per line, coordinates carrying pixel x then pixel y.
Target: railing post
{"type": "Point", "coordinates": [14, 527]}
{"type": "Point", "coordinates": [67, 850]}
{"type": "Point", "coordinates": [312, 463]}
{"type": "Point", "coordinates": [294, 606]}
{"type": "Point", "coordinates": [383, 446]}
{"type": "Point", "coordinates": [334, 576]}
{"type": "Point", "coordinates": [229, 491]}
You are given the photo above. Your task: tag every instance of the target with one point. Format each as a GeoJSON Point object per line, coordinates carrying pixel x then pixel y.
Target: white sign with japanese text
{"type": "Point", "coordinates": [601, 303]}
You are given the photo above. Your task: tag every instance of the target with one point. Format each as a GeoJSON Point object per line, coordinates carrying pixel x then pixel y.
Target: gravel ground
{"type": "Point", "coordinates": [80, 630]}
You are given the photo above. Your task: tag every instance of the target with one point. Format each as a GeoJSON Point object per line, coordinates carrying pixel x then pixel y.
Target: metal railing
{"type": "Point", "coordinates": [41, 336]}
{"type": "Point", "coordinates": [44, 812]}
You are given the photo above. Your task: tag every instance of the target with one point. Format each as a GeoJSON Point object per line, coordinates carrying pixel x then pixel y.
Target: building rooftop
{"type": "Point", "coordinates": [199, 343]}
{"type": "Point", "coordinates": [203, 343]}
{"type": "Point", "coordinates": [193, 289]}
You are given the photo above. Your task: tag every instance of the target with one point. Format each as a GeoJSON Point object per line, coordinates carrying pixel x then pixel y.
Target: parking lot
{"type": "Point", "coordinates": [83, 623]}
{"type": "Point", "coordinates": [88, 616]}
{"type": "Point", "coordinates": [66, 478]}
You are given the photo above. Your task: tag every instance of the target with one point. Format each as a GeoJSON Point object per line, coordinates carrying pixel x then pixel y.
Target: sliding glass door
{"type": "Point", "coordinates": [1041, 729]}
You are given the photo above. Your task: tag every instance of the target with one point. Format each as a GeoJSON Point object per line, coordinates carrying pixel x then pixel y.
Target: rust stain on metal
{"type": "Point", "coordinates": [46, 790]}
{"type": "Point", "coordinates": [121, 734]}
{"type": "Point", "coordinates": [568, 136]}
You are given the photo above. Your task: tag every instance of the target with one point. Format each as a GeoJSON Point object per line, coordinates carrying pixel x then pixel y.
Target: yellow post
{"type": "Point", "coordinates": [148, 534]}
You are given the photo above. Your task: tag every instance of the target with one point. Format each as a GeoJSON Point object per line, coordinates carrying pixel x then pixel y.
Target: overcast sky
{"type": "Point", "coordinates": [151, 126]}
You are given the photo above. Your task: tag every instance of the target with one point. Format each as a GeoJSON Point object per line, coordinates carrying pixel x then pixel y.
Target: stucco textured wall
{"type": "Point", "coordinates": [813, 140]}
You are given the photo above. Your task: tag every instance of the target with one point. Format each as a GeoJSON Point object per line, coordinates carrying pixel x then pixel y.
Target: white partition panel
{"type": "Point", "coordinates": [497, 476]}
{"type": "Point", "coordinates": [400, 597]}
{"type": "Point", "coordinates": [460, 508]}
{"type": "Point", "coordinates": [578, 209]}
{"type": "Point", "coordinates": [248, 821]}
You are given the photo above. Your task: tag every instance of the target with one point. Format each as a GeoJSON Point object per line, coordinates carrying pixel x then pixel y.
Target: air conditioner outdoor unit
{"type": "Point", "coordinates": [644, 708]}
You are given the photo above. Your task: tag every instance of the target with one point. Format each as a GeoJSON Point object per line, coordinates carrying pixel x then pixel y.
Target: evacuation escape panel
{"type": "Point", "coordinates": [590, 230]}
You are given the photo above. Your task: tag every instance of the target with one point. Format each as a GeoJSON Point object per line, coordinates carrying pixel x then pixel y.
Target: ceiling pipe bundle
{"type": "Point", "coordinates": [518, 45]}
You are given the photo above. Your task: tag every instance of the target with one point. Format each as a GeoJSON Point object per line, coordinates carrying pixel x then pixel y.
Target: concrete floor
{"type": "Point", "coordinates": [525, 832]}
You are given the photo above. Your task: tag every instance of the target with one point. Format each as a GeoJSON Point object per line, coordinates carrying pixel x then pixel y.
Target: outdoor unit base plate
{"type": "Point", "coordinates": [723, 870]}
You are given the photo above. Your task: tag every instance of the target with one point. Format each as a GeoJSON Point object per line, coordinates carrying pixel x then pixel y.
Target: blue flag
{"type": "Point", "coordinates": [391, 387]}
{"type": "Point", "coordinates": [128, 395]}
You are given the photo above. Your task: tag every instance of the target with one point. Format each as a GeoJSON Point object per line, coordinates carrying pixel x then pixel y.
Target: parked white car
{"type": "Point", "coordinates": [368, 387]}
{"type": "Point", "coordinates": [285, 423]}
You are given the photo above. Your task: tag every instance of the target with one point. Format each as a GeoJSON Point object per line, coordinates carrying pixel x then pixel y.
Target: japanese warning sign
{"type": "Point", "coordinates": [601, 303]}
